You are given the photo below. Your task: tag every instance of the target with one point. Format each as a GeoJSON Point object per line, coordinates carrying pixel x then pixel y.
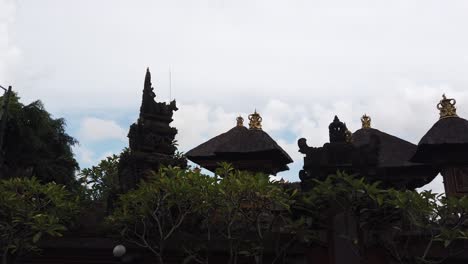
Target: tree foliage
{"type": "Point", "coordinates": [29, 211]}
{"type": "Point", "coordinates": [199, 210]}
{"type": "Point", "coordinates": [101, 181]}
{"type": "Point", "coordinates": [36, 144]}
{"type": "Point", "coordinates": [248, 206]}
{"type": "Point", "coordinates": [386, 217]}
{"type": "Point", "coordinates": [153, 213]}
{"type": "Point", "coordinates": [241, 212]}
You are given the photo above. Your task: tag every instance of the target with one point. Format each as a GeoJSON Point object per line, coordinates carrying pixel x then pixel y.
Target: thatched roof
{"type": "Point", "coordinates": [240, 141]}
{"type": "Point", "coordinates": [394, 164]}
{"type": "Point", "coordinates": [393, 151]}
{"type": "Point", "coordinates": [446, 141]}
{"type": "Point", "coordinates": [451, 130]}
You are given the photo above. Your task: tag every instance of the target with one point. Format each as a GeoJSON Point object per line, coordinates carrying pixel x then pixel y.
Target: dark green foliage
{"type": "Point", "coordinates": [240, 213]}
{"type": "Point", "coordinates": [153, 213]}
{"type": "Point", "coordinates": [37, 145]}
{"type": "Point", "coordinates": [249, 206]}
{"type": "Point", "coordinates": [385, 217]}
{"type": "Point", "coordinates": [101, 181]}
{"type": "Point", "coordinates": [197, 210]}
{"type": "Point", "coordinates": [30, 211]}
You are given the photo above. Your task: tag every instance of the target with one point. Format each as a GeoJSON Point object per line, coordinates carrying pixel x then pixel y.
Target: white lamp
{"type": "Point", "coordinates": [119, 251]}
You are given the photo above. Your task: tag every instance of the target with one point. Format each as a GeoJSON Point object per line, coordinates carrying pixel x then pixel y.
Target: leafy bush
{"type": "Point", "coordinates": [153, 213]}
{"type": "Point", "coordinates": [240, 211]}
{"type": "Point", "coordinates": [101, 181]}
{"type": "Point", "coordinates": [29, 211]}
{"type": "Point", "coordinates": [385, 216]}
{"type": "Point", "coordinates": [175, 203]}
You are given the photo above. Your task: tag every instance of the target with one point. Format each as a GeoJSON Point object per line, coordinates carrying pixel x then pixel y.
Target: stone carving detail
{"type": "Point", "coordinates": [151, 140]}
{"type": "Point", "coordinates": [339, 154]}
{"type": "Point", "coordinates": [337, 130]}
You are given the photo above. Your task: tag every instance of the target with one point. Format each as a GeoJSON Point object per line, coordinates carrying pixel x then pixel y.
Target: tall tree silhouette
{"type": "Point", "coordinates": [37, 145]}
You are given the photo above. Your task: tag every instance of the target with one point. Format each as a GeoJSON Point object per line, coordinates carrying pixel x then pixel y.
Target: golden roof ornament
{"type": "Point", "coordinates": [255, 121]}
{"type": "Point", "coordinates": [366, 121]}
{"type": "Point", "coordinates": [447, 107]}
{"type": "Point", "coordinates": [240, 121]}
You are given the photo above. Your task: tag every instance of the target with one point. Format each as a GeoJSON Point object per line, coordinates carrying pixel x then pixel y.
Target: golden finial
{"type": "Point", "coordinates": [240, 121]}
{"type": "Point", "coordinates": [366, 121]}
{"type": "Point", "coordinates": [255, 121]}
{"type": "Point", "coordinates": [447, 107]}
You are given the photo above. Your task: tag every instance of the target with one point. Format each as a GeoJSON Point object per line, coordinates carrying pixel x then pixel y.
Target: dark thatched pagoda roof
{"type": "Point", "coordinates": [447, 140]}
{"type": "Point", "coordinates": [393, 151]}
{"type": "Point", "coordinates": [393, 158]}
{"type": "Point", "coordinates": [450, 130]}
{"type": "Point", "coordinates": [241, 143]}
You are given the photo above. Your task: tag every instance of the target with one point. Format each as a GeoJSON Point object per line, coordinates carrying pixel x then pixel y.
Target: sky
{"type": "Point", "coordinates": [298, 63]}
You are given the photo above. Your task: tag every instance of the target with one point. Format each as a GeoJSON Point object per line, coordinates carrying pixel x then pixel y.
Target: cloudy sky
{"type": "Point", "coordinates": [297, 62]}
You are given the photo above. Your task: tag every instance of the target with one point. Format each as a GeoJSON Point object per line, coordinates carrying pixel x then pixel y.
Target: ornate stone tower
{"type": "Point", "coordinates": [151, 140]}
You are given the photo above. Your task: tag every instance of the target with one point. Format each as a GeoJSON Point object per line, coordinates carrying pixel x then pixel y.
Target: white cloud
{"type": "Point", "coordinates": [197, 123]}
{"type": "Point", "coordinates": [84, 156]}
{"type": "Point", "coordinates": [299, 63]}
{"type": "Point", "coordinates": [238, 53]}
{"type": "Point", "coordinates": [87, 156]}
{"type": "Point", "coordinates": [9, 53]}
{"type": "Point", "coordinates": [95, 129]}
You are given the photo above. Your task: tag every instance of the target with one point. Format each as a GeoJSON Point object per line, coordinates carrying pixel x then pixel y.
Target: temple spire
{"type": "Point", "coordinates": [147, 102]}
{"type": "Point", "coordinates": [147, 79]}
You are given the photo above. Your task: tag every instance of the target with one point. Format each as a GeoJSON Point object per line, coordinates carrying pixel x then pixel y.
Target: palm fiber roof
{"type": "Point", "coordinates": [393, 151]}
{"type": "Point", "coordinates": [241, 141]}
{"type": "Point", "coordinates": [445, 142]}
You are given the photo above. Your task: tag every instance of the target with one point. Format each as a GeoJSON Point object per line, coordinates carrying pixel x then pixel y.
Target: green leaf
{"type": "Point", "coordinates": [36, 237]}
{"type": "Point", "coordinates": [447, 243]}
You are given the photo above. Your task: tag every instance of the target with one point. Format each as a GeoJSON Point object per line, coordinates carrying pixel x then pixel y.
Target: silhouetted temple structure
{"type": "Point", "coordinates": [249, 149]}
{"type": "Point", "coordinates": [445, 147]}
{"type": "Point", "coordinates": [151, 140]}
{"type": "Point", "coordinates": [368, 152]}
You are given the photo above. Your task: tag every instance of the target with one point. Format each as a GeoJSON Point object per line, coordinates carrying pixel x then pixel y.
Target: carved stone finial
{"type": "Point", "coordinates": [255, 121]}
{"type": "Point", "coordinates": [240, 121]}
{"type": "Point", "coordinates": [366, 121]}
{"type": "Point", "coordinates": [447, 107]}
{"type": "Point", "coordinates": [337, 131]}
{"type": "Point", "coordinates": [348, 136]}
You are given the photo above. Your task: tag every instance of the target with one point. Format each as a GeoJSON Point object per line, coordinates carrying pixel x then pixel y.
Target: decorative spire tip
{"type": "Point", "coordinates": [366, 121]}
{"type": "Point", "coordinates": [255, 121]}
{"type": "Point", "coordinates": [240, 121]}
{"type": "Point", "coordinates": [447, 107]}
